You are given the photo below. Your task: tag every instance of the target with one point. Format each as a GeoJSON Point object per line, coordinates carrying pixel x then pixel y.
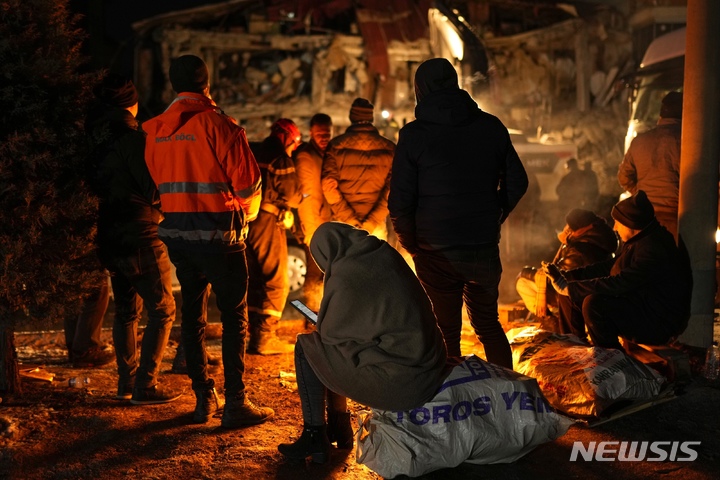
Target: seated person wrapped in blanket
{"type": "Point", "coordinates": [376, 342]}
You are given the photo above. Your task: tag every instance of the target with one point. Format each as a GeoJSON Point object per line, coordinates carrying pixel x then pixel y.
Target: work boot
{"type": "Point", "coordinates": [268, 344]}
{"type": "Point", "coordinates": [339, 429]}
{"type": "Point", "coordinates": [208, 402]}
{"type": "Point", "coordinates": [241, 412]}
{"type": "Point", "coordinates": [312, 443]}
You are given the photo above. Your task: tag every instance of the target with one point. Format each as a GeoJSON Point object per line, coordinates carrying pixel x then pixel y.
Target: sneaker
{"type": "Point", "coordinates": [269, 345]}
{"type": "Point", "coordinates": [94, 357]}
{"type": "Point", "coordinates": [125, 391]}
{"type": "Point", "coordinates": [241, 412]}
{"type": "Point", "coordinates": [152, 396]}
{"type": "Point", "coordinates": [208, 403]}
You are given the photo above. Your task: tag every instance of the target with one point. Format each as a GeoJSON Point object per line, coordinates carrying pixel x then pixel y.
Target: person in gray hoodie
{"type": "Point", "coordinates": [455, 179]}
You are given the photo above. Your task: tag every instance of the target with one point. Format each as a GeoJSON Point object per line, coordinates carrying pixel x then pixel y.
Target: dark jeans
{"type": "Point", "coordinates": [471, 276]}
{"type": "Point", "coordinates": [608, 317]}
{"type": "Point", "coordinates": [227, 273]}
{"type": "Point", "coordinates": [144, 278]}
{"type": "Point", "coordinates": [313, 392]}
{"type": "Point", "coordinates": [571, 318]}
{"type": "Point", "coordinates": [84, 331]}
{"type": "Point", "coordinates": [267, 258]}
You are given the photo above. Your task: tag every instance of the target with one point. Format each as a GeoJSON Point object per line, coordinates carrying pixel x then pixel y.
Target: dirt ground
{"type": "Point", "coordinates": [58, 432]}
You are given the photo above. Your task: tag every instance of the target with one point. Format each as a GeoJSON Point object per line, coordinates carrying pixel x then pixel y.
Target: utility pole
{"type": "Point", "coordinates": [700, 162]}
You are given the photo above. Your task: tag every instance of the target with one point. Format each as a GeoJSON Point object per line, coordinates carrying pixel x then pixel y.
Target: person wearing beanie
{"type": "Point", "coordinates": [112, 112]}
{"type": "Point", "coordinates": [266, 252]}
{"type": "Point", "coordinates": [652, 163]}
{"type": "Point", "coordinates": [210, 191]}
{"type": "Point", "coordinates": [361, 111]}
{"type": "Point", "coordinates": [585, 240]}
{"type": "Point", "coordinates": [117, 91]}
{"type": "Point", "coordinates": [455, 179]}
{"type": "Point", "coordinates": [128, 242]}
{"type": "Point", "coordinates": [356, 172]}
{"type": "Point", "coordinates": [189, 73]}
{"type": "Point", "coordinates": [644, 294]}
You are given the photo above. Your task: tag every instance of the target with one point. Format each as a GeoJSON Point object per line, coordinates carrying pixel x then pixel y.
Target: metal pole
{"type": "Point", "coordinates": [700, 158]}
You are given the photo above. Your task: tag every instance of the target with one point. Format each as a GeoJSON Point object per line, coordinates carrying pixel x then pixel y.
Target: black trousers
{"type": "Point", "coordinates": [608, 317]}
{"type": "Point", "coordinates": [469, 276]}
{"type": "Point", "coordinates": [227, 274]}
{"type": "Point", "coordinates": [267, 258]}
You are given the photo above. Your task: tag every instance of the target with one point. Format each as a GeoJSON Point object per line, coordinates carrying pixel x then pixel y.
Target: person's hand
{"type": "Point", "coordinates": [558, 281]}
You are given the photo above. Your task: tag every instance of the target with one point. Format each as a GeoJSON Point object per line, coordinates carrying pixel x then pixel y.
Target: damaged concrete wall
{"type": "Point", "coordinates": [535, 80]}
{"type": "Point", "coordinates": [257, 78]}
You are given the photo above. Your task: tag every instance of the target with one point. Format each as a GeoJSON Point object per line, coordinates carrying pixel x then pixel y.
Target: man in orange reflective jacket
{"type": "Point", "coordinates": [209, 184]}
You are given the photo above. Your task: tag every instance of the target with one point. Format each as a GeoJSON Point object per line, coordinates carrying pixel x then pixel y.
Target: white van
{"type": "Point", "coordinates": [660, 72]}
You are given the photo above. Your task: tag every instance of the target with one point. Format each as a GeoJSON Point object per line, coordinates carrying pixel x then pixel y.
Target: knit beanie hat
{"type": "Point", "coordinates": [434, 74]}
{"type": "Point", "coordinates": [634, 212]}
{"type": "Point", "coordinates": [671, 105]}
{"type": "Point", "coordinates": [117, 91]}
{"type": "Point", "coordinates": [189, 73]}
{"type": "Point", "coordinates": [578, 218]}
{"type": "Point", "coordinates": [361, 111]}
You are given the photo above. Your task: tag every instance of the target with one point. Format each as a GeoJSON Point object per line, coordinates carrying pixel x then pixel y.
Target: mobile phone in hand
{"type": "Point", "coordinates": [305, 310]}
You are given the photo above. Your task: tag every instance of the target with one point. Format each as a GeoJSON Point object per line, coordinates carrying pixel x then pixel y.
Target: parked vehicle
{"type": "Point", "coordinates": [544, 160]}
{"type": "Point", "coordinates": [661, 71]}
{"type": "Point", "coordinates": [297, 267]}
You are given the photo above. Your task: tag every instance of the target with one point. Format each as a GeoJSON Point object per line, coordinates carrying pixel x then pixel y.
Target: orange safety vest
{"type": "Point", "coordinates": [207, 176]}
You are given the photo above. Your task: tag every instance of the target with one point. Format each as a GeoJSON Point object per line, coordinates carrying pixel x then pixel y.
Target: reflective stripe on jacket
{"type": "Point", "coordinates": [208, 179]}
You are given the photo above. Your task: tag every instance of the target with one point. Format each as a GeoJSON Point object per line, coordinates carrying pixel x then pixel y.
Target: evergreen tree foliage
{"type": "Point", "coordinates": [47, 213]}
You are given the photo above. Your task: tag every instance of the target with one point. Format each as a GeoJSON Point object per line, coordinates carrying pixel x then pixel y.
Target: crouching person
{"type": "Point", "coordinates": [586, 239]}
{"type": "Point", "coordinates": [644, 294]}
{"type": "Point", "coordinates": [376, 340]}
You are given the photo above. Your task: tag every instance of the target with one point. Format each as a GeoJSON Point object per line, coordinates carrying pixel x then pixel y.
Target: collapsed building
{"type": "Point", "coordinates": [546, 71]}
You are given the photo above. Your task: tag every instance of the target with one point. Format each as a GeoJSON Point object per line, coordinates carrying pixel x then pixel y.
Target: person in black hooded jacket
{"type": "Point", "coordinates": [128, 242]}
{"type": "Point", "coordinates": [455, 178]}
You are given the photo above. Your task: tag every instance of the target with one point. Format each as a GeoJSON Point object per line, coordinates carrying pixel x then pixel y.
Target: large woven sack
{"type": "Point", "coordinates": [482, 414]}
{"type": "Point", "coordinates": [579, 380]}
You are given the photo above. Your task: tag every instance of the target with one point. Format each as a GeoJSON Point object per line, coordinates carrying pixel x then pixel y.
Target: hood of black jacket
{"type": "Point", "coordinates": [450, 106]}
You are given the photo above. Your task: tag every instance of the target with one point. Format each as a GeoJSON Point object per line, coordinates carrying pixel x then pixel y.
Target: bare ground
{"type": "Point", "coordinates": [57, 432]}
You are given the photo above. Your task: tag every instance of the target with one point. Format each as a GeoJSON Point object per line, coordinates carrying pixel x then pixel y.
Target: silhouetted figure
{"type": "Point", "coordinates": [652, 163]}
{"type": "Point", "coordinates": [455, 179]}
{"type": "Point", "coordinates": [592, 188]}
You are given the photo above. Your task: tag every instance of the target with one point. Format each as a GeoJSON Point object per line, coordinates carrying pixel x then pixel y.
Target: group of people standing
{"type": "Point", "coordinates": [189, 188]}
